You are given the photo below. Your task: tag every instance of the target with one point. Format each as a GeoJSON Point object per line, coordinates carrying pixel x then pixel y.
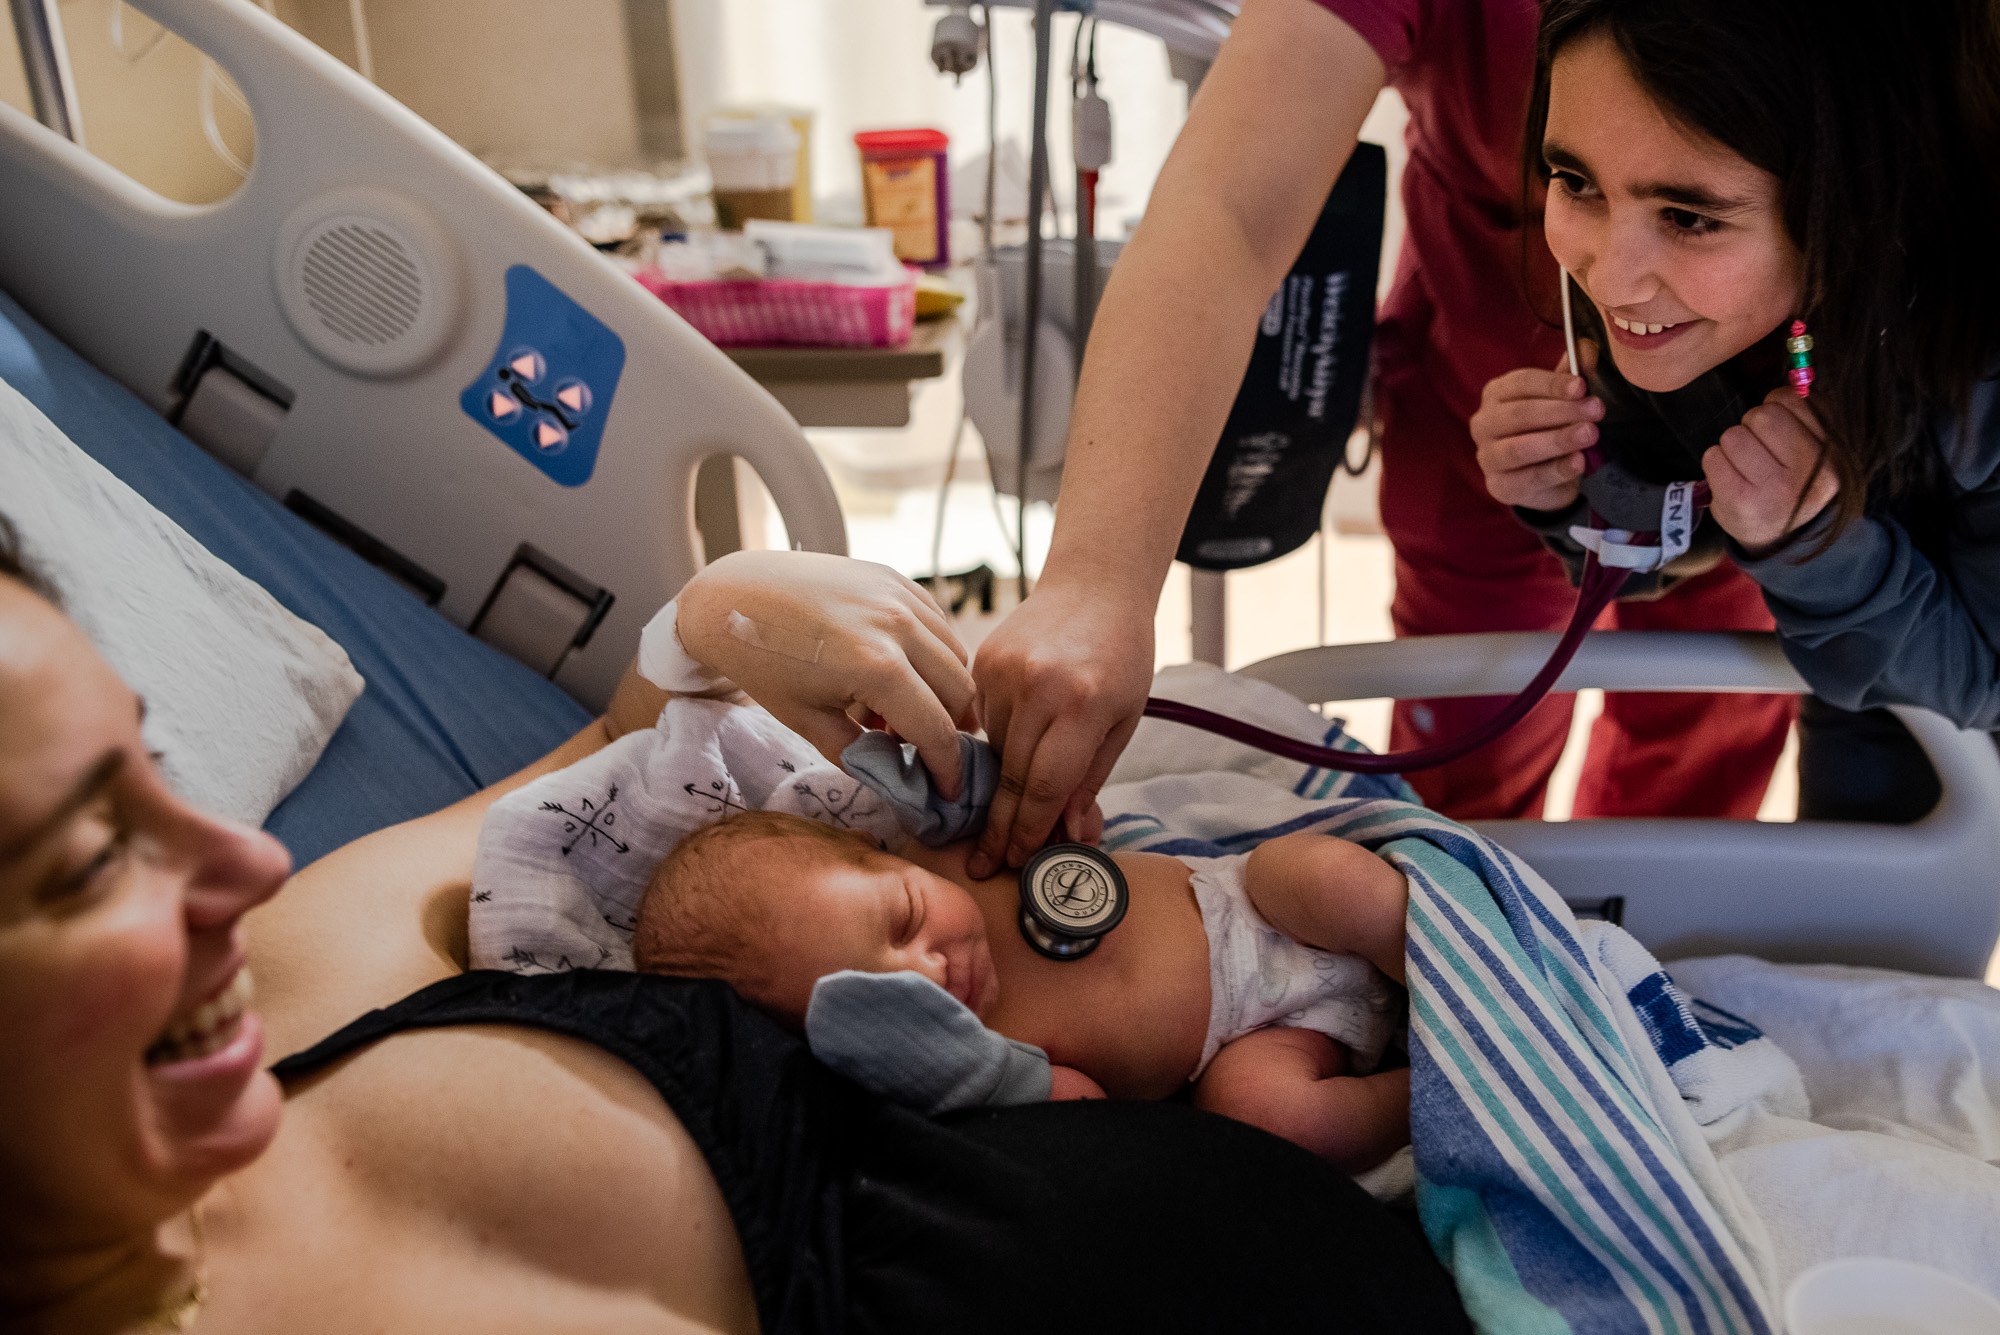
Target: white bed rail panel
{"type": "Point", "coordinates": [376, 430]}
{"type": "Point", "coordinates": [1923, 897]}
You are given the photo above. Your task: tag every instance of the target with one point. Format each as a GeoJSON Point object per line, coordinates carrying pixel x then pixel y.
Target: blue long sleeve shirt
{"type": "Point", "coordinates": [1874, 621]}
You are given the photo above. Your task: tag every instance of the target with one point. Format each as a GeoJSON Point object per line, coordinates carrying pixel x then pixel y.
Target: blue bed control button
{"type": "Point", "coordinates": [549, 386]}
{"type": "Point", "coordinates": [525, 365]}
{"type": "Point", "coordinates": [550, 436]}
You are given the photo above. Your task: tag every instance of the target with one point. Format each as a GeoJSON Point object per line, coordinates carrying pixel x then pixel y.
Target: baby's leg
{"type": "Point", "coordinates": [1293, 1083]}
{"type": "Point", "coordinates": [1334, 895]}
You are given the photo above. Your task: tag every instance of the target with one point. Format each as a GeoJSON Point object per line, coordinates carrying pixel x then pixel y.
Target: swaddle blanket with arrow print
{"type": "Point", "coordinates": [563, 861]}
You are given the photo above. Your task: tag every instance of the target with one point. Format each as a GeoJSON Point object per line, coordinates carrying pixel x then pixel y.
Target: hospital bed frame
{"type": "Point", "coordinates": [318, 328]}
{"type": "Point", "coordinates": [218, 316]}
{"type": "Point", "coordinates": [1923, 897]}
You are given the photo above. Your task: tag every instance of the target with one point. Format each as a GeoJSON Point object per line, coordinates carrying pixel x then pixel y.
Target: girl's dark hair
{"type": "Point", "coordinates": [1882, 123]}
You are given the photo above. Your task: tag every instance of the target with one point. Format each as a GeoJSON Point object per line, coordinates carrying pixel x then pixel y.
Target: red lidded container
{"type": "Point", "coordinates": [906, 189]}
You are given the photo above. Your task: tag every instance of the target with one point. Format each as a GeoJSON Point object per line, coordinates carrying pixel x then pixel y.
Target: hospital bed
{"type": "Point", "coordinates": [400, 371]}
{"type": "Point", "coordinates": [410, 386]}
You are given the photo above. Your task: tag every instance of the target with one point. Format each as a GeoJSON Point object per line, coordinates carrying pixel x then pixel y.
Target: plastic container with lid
{"type": "Point", "coordinates": [906, 189]}
{"type": "Point", "coordinates": [754, 163]}
{"type": "Point", "coordinates": [801, 121]}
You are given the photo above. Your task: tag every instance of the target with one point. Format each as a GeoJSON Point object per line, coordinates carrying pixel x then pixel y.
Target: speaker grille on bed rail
{"type": "Point", "coordinates": [362, 283]}
{"type": "Point", "coordinates": [368, 280]}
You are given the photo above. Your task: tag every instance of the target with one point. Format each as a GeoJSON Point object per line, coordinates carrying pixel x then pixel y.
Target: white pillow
{"type": "Point", "coordinates": [241, 696]}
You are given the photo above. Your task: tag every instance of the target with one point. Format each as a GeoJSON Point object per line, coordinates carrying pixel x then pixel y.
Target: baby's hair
{"type": "Point", "coordinates": [702, 918]}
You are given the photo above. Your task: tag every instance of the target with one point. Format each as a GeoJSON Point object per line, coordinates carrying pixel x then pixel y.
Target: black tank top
{"type": "Point", "coordinates": [856, 1215]}
{"type": "Point", "coordinates": [751, 1097]}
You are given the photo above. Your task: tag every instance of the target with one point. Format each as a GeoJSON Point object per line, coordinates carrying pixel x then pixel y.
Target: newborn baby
{"type": "Point", "coordinates": [1258, 977]}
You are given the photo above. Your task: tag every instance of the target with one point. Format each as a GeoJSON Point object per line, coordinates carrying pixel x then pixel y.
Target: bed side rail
{"type": "Point", "coordinates": [1923, 897]}
{"type": "Point", "coordinates": [364, 284]}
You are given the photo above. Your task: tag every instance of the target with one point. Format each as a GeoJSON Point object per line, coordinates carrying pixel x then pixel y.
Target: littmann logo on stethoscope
{"type": "Point", "coordinates": [1071, 895]}
{"type": "Point", "coordinates": [1077, 891]}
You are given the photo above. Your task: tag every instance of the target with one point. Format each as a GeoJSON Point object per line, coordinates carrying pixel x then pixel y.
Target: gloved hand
{"type": "Point", "coordinates": [878, 648]}
{"type": "Point", "coordinates": [901, 1036]}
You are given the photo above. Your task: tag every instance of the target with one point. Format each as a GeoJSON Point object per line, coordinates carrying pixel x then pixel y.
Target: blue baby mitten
{"type": "Point", "coordinates": [901, 1036]}
{"type": "Point", "coordinates": [890, 766]}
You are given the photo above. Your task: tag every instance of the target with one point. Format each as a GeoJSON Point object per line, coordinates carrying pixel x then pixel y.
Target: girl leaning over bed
{"type": "Point", "coordinates": [1717, 170]}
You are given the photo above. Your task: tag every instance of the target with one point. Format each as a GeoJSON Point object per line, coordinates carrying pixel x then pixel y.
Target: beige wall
{"type": "Point", "coordinates": [524, 82]}
{"type": "Point", "coordinates": [140, 104]}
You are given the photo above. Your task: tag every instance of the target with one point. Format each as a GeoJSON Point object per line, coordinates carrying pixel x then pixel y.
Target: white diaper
{"type": "Point", "coordinates": [1258, 976]}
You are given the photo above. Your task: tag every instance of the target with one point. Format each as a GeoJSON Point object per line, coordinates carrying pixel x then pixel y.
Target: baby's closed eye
{"type": "Point", "coordinates": [912, 915]}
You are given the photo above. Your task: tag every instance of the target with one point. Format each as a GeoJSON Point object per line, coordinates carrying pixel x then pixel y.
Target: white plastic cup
{"type": "Point", "coordinates": [754, 163]}
{"type": "Point", "coordinates": [1869, 1295]}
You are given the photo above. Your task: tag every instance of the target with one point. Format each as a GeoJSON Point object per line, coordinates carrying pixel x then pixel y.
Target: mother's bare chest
{"type": "Point", "coordinates": [486, 1179]}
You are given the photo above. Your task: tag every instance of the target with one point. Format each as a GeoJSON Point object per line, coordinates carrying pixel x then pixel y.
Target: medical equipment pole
{"type": "Point", "coordinates": [1090, 137]}
{"type": "Point", "coordinates": [992, 135]}
{"type": "Point", "coordinates": [1038, 185]}
{"type": "Point", "coordinates": [45, 62]}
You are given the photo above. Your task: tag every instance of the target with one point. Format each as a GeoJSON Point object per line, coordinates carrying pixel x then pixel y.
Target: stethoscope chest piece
{"type": "Point", "coordinates": [1072, 895]}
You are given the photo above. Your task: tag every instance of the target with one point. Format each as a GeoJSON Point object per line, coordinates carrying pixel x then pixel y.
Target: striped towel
{"type": "Point", "coordinates": [1560, 1174]}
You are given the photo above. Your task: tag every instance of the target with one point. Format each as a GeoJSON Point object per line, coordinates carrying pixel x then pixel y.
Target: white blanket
{"type": "Point", "coordinates": [1901, 1155]}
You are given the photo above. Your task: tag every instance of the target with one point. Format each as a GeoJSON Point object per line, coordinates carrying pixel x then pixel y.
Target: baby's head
{"type": "Point", "coordinates": [770, 903]}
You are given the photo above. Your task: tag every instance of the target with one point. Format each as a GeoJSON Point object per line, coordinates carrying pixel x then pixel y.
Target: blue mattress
{"type": "Point", "coordinates": [442, 715]}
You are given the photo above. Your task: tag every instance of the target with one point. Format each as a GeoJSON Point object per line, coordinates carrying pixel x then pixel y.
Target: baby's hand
{"type": "Point", "coordinates": [1762, 474]}
{"type": "Point", "coordinates": [1532, 428]}
{"type": "Point", "coordinates": [1066, 1082]}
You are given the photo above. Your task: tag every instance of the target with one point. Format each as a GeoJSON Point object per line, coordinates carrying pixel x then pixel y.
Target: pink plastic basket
{"type": "Point", "coordinates": [750, 313]}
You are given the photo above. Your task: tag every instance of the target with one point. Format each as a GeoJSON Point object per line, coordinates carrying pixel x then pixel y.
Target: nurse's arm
{"type": "Point", "coordinates": [1275, 122]}
{"type": "Point", "coordinates": [1063, 679]}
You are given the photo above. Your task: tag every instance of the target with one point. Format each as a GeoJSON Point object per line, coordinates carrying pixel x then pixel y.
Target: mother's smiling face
{"type": "Point", "coordinates": [133, 1074]}
{"type": "Point", "coordinates": [1678, 241]}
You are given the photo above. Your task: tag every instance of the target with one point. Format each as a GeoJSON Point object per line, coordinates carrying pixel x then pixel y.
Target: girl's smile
{"type": "Point", "coordinates": [1641, 336]}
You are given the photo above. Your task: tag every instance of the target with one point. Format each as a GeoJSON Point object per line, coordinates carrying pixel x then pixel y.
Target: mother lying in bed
{"type": "Point", "coordinates": [577, 1151]}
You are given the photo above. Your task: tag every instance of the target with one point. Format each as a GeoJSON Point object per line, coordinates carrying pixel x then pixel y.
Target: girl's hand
{"type": "Point", "coordinates": [1765, 476]}
{"type": "Point", "coordinates": [830, 640]}
{"type": "Point", "coordinates": [1532, 428]}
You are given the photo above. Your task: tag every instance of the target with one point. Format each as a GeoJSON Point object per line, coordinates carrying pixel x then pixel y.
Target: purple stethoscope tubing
{"type": "Point", "coordinates": [1600, 585]}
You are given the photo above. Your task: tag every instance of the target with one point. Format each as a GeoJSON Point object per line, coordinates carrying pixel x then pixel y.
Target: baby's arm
{"type": "Point", "coordinates": [1293, 1083]}
{"type": "Point", "coordinates": [1066, 1082]}
{"type": "Point", "coordinates": [1331, 894]}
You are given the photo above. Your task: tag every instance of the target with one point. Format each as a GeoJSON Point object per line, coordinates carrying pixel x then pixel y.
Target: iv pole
{"type": "Point", "coordinates": [1038, 186]}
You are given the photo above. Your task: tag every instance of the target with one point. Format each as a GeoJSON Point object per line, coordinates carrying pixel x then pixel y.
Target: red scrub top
{"type": "Point", "coordinates": [1461, 307]}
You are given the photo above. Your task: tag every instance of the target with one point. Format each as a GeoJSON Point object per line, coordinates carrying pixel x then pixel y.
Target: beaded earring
{"type": "Point", "coordinates": [1800, 346]}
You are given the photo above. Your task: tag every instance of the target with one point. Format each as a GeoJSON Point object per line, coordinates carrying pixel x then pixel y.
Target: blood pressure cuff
{"type": "Point", "coordinates": [902, 1037]}
{"type": "Point", "coordinates": [890, 766]}
{"type": "Point", "coordinates": [1266, 486]}
{"type": "Point", "coordinates": [1649, 440]}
